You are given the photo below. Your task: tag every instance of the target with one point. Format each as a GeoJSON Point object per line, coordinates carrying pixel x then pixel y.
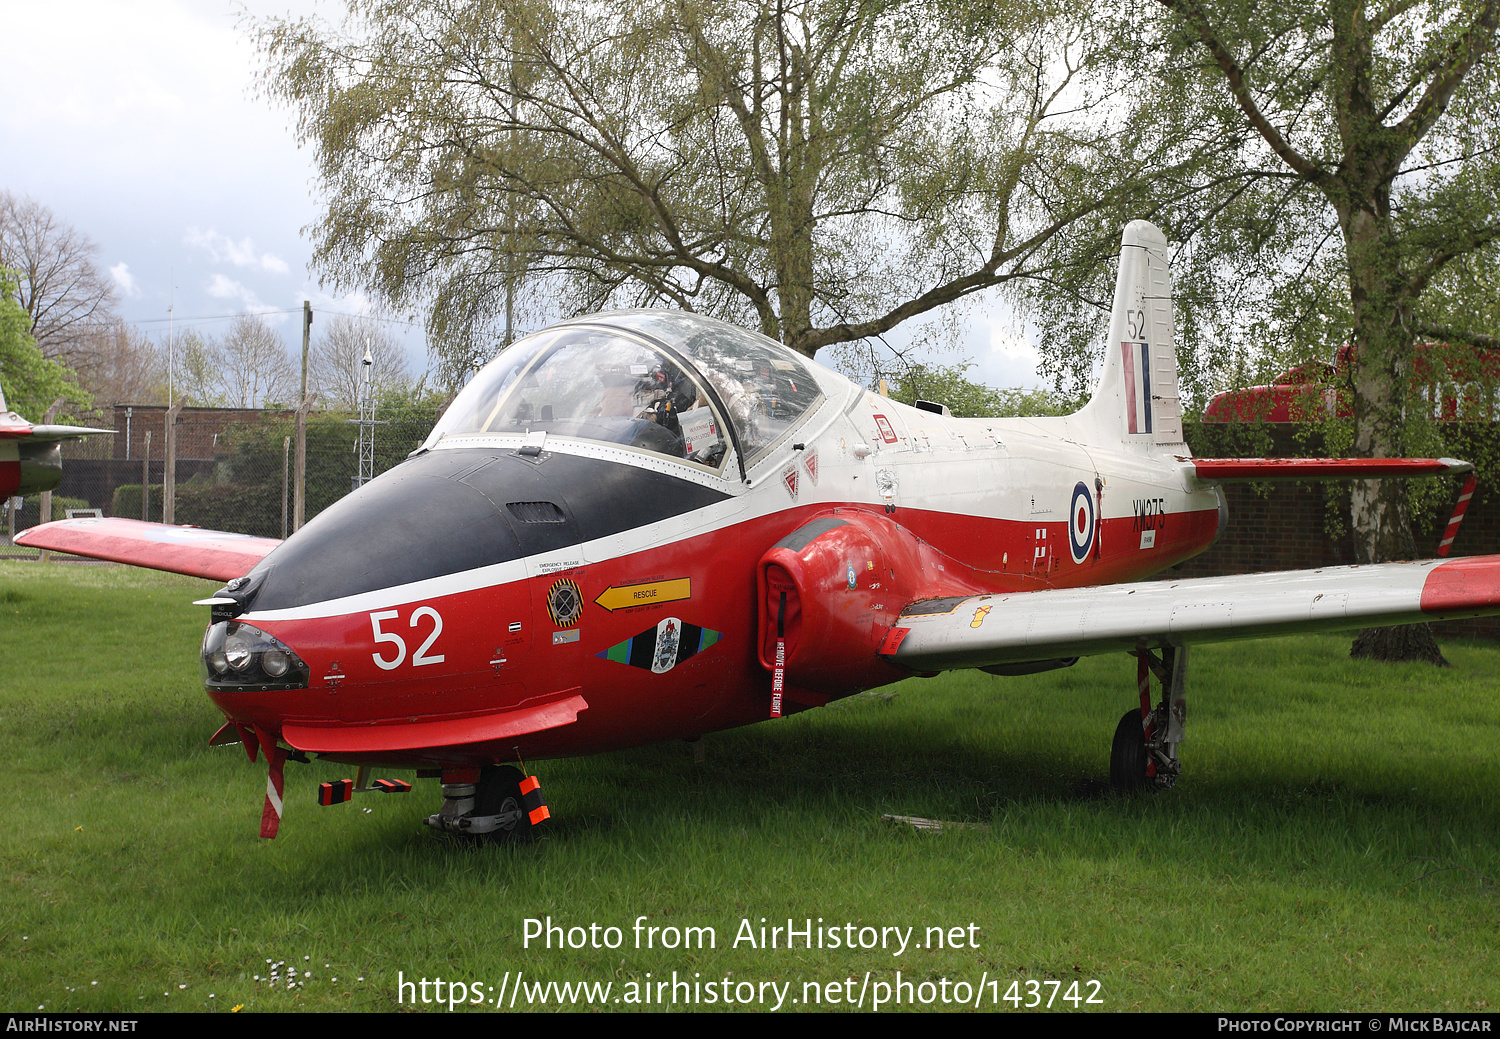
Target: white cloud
{"type": "Point", "coordinates": [223, 249]}
{"type": "Point", "coordinates": [349, 303]}
{"type": "Point", "coordinates": [222, 287]}
{"type": "Point", "coordinates": [1005, 341]}
{"type": "Point", "coordinates": [124, 280]}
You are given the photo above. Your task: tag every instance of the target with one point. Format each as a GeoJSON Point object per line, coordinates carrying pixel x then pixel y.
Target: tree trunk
{"type": "Point", "coordinates": [1409, 642]}
{"type": "Point", "coordinates": [1379, 371]}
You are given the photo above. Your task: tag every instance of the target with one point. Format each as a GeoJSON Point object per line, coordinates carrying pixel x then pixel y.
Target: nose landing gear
{"type": "Point", "coordinates": [496, 802]}
{"type": "Point", "coordinates": [1144, 752]}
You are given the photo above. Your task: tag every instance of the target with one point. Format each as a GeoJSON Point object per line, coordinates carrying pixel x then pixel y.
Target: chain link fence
{"type": "Point", "coordinates": [233, 469]}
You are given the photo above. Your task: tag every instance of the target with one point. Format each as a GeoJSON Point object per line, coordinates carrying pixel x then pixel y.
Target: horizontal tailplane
{"type": "Point", "coordinates": [1253, 470]}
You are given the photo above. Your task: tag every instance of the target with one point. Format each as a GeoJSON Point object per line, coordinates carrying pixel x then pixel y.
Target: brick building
{"type": "Point", "coordinates": [93, 469]}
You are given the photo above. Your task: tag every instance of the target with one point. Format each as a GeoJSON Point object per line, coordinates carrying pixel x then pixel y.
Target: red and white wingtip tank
{"type": "Point", "coordinates": [648, 525]}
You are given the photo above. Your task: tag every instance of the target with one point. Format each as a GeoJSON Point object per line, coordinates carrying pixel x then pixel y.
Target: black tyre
{"type": "Point", "coordinates": [1127, 756]}
{"type": "Point", "coordinates": [499, 793]}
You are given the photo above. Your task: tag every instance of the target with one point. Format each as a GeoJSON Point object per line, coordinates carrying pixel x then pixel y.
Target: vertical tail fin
{"type": "Point", "coordinates": [1137, 399]}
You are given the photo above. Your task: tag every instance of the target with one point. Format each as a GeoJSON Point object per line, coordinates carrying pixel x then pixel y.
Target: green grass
{"type": "Point", "coordinates": [1329, 848]}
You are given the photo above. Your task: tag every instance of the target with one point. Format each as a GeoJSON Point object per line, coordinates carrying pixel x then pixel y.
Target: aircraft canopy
{"type": "Point", "coordinates": [653, 380]}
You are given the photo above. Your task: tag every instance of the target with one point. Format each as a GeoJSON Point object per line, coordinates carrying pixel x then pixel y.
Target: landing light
{"type": "Point", "coordinates": [237, 652]}
{"type": "Point", "coordinates": [242, 657]}
{"type": "Point", "coordinates": [275, 662]}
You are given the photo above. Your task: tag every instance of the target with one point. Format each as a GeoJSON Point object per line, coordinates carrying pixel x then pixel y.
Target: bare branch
{"type": "Point", "coordinates": [1449, 334]}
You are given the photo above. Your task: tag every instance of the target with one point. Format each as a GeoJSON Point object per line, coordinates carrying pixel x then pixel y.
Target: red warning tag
{"type": "Point", "coordinates": [893, 640]}
{"type": "Point", "coordinates": [531, 797]}
{"type": "Point", "coordinates": [778, 679]}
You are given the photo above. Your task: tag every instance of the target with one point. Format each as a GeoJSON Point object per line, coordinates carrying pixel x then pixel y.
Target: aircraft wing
{"type": "Point", "coordinates": [26, 431]}
{"type": "Point", "coordinates": [30, 456]}
{"type": "Point", "coordinates": [214, 554]}
{"type": "Point", "coordinates": [1001, 629]}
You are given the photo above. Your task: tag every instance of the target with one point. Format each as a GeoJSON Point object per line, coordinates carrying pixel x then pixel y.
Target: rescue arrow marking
{"type": "Point", "coordinates": [618, 598]}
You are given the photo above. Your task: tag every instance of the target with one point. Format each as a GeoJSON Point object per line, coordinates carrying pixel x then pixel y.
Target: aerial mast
{"type": "Point", "coordinates": [367, 423]}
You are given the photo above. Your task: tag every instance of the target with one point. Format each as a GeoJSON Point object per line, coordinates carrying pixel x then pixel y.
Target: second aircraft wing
{"type": "Point", "coordinates": [1002, 629]}
{"type": "Point", "coordinates": [214, 554]}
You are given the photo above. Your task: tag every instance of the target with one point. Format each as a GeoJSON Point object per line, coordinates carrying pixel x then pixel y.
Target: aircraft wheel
{"type": "Point", "coordinates": [1127, 756]}
{"type": "Point", "coordinates": [499, 793]}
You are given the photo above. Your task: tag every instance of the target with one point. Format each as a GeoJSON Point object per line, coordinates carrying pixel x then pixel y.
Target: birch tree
{"type": "Point", "coordinates": [1375, 124]}
{"type": "Point", "coordinates": [823, 170]}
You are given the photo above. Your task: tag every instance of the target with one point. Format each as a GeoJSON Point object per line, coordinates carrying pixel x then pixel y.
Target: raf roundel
{"type": "Point", "coordinates": [1082, 523]}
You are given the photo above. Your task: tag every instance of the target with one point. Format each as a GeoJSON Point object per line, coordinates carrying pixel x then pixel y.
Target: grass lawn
{"type": "Point", "coordinates": [1331, 846]}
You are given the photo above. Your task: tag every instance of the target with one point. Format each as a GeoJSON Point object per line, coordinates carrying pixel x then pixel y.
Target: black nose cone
{"type": "Point", "coordinates": [448, 511]}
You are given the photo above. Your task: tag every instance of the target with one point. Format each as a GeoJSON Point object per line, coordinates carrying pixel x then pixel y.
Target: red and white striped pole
{"type": "Point", "coordinates": [270, 815]}
{"type": "Point", "coordinates": [1458, 514]}
{"type": "Point", "coordinates": [1148, 717]}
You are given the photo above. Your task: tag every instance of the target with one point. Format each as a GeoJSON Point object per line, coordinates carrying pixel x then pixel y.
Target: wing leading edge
{"type": "Point", "coordinates": [988, 630]}
{"type": "Point", "coordinates": [215, 554]}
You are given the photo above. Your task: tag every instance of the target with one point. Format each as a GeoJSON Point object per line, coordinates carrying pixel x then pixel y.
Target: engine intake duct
{"type": "Point", "coordinates": [831, 592]}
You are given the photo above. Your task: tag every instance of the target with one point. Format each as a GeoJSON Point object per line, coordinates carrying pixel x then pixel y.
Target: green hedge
{"type": "Point", "coordinates": [127, 501]}
{"type": "Point", "coordinates": [244, 508]}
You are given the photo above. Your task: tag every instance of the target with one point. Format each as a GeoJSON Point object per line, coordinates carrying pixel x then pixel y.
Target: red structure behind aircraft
{"type": "Point", "coordinates": [1454, 383]}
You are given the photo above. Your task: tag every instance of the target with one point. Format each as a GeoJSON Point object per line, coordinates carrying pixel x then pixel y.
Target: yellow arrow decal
{"type": "Point", "coordinates": [647, 594]}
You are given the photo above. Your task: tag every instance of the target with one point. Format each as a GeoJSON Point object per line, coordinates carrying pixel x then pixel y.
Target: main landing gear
{"type": "Point", "coordinates": [496, 802]}
{"type": "Point", "coordinates": [1145, 746]}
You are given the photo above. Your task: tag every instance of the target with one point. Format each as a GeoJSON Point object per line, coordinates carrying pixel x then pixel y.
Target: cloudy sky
{"type": "Point", "coordinates": [138, 123]}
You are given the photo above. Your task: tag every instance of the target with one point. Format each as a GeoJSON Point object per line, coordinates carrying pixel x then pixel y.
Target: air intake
{"type": "Point", "coordinates": [536, 512]}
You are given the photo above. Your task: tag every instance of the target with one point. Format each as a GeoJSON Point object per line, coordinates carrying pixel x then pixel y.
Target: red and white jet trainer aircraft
{"type": "Point", "coordinates": [31, 455]}
{"type": "Point", "coordinates": [648, 525]}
